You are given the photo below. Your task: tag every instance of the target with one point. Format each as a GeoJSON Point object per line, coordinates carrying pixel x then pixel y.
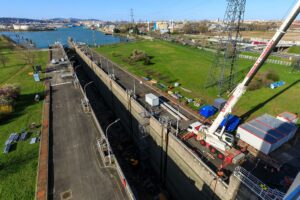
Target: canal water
{"type": "Point", "coordinates": [42, 39]}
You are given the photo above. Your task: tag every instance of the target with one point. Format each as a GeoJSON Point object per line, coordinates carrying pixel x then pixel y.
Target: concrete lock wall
{"type": "Point", "coordinates": [185, 175]}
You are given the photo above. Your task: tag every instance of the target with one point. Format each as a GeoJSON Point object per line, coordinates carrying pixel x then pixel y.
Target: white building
{"type": "Point", "coordinates": [21, 27]}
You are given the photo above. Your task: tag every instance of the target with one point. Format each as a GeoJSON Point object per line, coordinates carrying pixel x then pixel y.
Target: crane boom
{"type": "Point", "coordinates": [241, 88]}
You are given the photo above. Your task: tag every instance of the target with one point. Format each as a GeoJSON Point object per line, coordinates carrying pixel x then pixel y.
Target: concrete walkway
{"type": "Point", "coordinates": [75, 170]}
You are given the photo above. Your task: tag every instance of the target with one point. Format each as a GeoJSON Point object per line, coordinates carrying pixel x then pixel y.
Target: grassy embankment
{"type": "Point", "coordinates": [190, 67]}
{"type": "Point", "coordinates": [18, 168]}
{"type": "Point", "coordinates": [294, 49]}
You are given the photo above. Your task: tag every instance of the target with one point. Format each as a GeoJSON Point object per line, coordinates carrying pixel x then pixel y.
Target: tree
{"type": "Point", "coordinates": [203, 27]}
{"type": "Point", "coordinates": [295, 64]}
{"type": "Point", "coordinates": [3, 59]}
{"type": "Point", "coordinates": [188, 28]}
{"type": "Point", "coordinates": [28, 56]}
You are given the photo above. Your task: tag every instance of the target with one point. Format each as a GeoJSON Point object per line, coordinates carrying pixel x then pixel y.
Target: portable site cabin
{"type": "Point", "coordinates": [266, 133]}
{"type": "Point", "coordinates": [151, 99]}
{"type": "Point", "coordinates": [219, 103]}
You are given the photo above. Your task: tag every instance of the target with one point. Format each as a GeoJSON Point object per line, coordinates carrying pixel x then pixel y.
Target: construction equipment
{"type": "Point", "coordinates": [218, 141]}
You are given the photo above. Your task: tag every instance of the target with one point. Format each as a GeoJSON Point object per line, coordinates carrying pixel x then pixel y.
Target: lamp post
{"type": "Point", "coordinates": [177, 122]}
{"type": "Point", "coordinates": [106, 138]}
{"type": "Point", "coordinates": [75, 75]}
{"type": "Point", "coordinates": [84, 90]}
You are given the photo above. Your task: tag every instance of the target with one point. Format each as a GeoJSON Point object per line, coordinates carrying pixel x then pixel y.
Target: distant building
{"type": "Point", "coordinates": [3, 26]}
{"type": "Point", "coordinates": [176, 27]}
{"type": "Point", "coordinates": [21, 27]}
{"type": "Point", "coordinates": [162, 25]}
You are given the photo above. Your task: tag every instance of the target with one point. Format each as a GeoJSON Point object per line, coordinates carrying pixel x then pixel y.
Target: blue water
{"type": "Point", "coordinates": [42, 39]}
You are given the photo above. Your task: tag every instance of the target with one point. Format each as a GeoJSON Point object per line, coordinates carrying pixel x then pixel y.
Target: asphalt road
{"type": "Point", "coordinates": [75, 169]}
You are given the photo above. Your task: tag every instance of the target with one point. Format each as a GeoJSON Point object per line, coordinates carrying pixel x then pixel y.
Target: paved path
{"type": "Point", "coordinates": [75, 170]}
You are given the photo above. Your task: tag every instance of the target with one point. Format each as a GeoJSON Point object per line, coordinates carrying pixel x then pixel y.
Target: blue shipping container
{"type": "Point", "coordinates": [207, 111]}
{"type": "Point", "coordinates": [231, 122]}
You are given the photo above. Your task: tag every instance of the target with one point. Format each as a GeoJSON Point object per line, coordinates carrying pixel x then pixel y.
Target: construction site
{"type": "Point", "coordinates": [182, 155]}
{"type": "Point", "coordinates": [139, 142]}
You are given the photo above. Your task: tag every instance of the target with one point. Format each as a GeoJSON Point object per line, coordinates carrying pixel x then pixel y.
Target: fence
{"type": "Point", "coordinates": [272, 61]}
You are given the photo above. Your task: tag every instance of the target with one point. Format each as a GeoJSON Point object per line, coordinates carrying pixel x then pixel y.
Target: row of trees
{"type": "Point", "coordinates": [196, 28]}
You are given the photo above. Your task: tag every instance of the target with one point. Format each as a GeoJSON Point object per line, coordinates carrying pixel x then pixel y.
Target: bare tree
{"type": "Point", "coordinates": [28, 56]}
{"type": "Point", "coordinates": [203, 27]}
{"type": "Point", "coordinates": [295, 64]}
{"type": "Point", "coordinates": [3, 59]}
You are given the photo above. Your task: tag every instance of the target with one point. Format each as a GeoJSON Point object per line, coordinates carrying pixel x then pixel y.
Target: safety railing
{"type": "Point", "coordinates": [257, 186]}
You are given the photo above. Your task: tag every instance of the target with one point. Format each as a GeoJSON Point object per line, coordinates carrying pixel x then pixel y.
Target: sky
{"type": "Point", "coordinates": [143, 9]}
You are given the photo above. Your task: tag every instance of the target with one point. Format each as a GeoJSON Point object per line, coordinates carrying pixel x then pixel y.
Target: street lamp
{"type": "Point", "coordinates": [84, 90]}
{"type": "Point", "coordinates": [106, 138]}
{"type": "Point", "coordinates": [177, 122]}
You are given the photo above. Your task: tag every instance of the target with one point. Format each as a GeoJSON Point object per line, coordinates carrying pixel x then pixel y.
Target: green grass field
{"type": "Point", "coordinates": [190, 67]}
{"type": "Point", "coordinates": [18, 168]}
{"type": "Point", "coordinates": [294, 49]}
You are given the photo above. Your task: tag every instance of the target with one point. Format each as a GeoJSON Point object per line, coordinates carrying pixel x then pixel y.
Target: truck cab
{"type": "Point", "coordinates": [197, 127]}
{"type": "Point", "coordinates": [194, 127]}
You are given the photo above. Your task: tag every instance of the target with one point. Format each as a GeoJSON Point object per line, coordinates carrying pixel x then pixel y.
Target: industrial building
{"type": "Point", "coordinates": [266, 133]}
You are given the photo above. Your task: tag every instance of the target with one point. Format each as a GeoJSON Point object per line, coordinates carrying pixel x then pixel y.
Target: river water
{"type": "Point", "coordinates": [42, 39]}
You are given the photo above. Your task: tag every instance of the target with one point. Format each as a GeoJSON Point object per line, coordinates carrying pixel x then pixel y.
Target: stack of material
{"type": "Point", "coordinates": [23, 136]}
{"type": "Point", "coordinates": [288, 117]}
{"type": "Point", "coordinates": [219, 103]}
{"type": "Point", "coordinates": [266, 133]}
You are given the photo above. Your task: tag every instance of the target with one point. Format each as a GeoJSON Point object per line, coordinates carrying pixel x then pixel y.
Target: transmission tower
{"type": "Point", "coordinates": [223, 72]}
{"type": "Point", "coordinates": [131, 16]}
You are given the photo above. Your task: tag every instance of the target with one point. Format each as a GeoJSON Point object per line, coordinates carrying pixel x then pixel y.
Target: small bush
{"type": "Point", "coordinates": [263, 79]}
{"type": "Point", "coordinates": [8, 95]}
{"type": "Point", "coordinates": [10, 91]}
{"type": "Point", "coordinates": [272, 75]}
{"type": "Point", "coordinates": [114, 54]}
{"type": "Point", "coordinates": [138, 55]}
{"type": "Point", "coordinates": [255, 84]}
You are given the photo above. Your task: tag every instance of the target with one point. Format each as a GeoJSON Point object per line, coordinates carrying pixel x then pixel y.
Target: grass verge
{"type": "Point", "coordinates": [18, 168]}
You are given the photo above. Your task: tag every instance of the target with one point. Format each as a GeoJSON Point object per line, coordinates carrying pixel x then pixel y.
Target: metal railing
{"type": "Point", "coordinates": [258, 187]}
{"type": "Point", "coordinates": [279, 62]}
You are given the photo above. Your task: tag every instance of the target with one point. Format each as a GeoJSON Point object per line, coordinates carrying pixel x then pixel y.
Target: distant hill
{"type": "Point", "coordinates": [12, 20]}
